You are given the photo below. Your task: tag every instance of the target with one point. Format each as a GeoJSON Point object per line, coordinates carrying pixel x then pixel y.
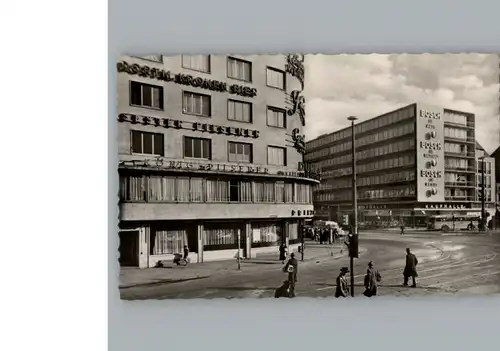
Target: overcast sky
{"type": "Point", "coordinates": [338, 86]}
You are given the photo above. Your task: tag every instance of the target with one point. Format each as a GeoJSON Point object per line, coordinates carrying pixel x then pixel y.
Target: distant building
{"type": "Point", "coordinates": [412, 162]}
{"type": "Point", "coordinates": [209, 146]}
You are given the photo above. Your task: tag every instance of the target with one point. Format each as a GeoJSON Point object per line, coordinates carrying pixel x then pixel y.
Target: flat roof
{"type": "Point", "coordinates": [380, 116]}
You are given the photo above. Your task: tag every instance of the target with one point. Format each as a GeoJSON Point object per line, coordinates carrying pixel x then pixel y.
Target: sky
{"type": "Point", "coordinates": [338, 86]}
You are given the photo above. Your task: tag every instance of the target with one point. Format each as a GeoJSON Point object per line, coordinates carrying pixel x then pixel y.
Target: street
{"type": "Point", "coordinates": [448, 265]}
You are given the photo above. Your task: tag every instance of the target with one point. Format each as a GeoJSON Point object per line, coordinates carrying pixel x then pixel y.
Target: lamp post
{"type": "Point", "coordinates": [483, 195]}
{"type": "Point", "coordinates": [354, 204]}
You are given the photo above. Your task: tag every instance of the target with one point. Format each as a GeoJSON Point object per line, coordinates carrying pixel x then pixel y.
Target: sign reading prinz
{"type": "Point", "coordinates": [430, 154]}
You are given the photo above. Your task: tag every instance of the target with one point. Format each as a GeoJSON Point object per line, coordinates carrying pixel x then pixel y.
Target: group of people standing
{"type": "Point", "coordinates": [373, 277]}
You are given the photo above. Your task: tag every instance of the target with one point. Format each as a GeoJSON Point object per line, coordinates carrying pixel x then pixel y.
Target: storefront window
{"type": "Point", "coordinates": [267, 234]}
{"type": "Point", "coordinates": [168, 241]}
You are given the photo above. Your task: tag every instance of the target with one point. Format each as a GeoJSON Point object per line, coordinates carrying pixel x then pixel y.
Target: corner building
{"type": "Point", "coordinates": [209, 147]}
{"type": "Point", "coordinates": [411, 163]}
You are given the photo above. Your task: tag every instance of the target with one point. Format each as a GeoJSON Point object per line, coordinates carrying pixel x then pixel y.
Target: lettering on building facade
{"type": "Point", "coordinates": [184, 79]}
{"type": "Point", "coordinates": [302, 212]}
{"type": "Point", "coordinates": [298, 140]}
{"type": "Point", "coordinates": [295, 67]}
{"type": "Point", "coordinates": [298, 106]}
{"type": "Point", "coordinates": [194, 126]}
{"type": "Point", "coordinates": [430, 154]}
{"type": "Point", "coordinates": [162, 163]}
{"type": "Point", "coordinates": [445, 206]}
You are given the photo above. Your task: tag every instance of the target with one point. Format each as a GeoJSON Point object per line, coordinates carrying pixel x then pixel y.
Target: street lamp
{"type": "Point", "coordinates": [353, 252]}
{"type": "Point", "coordinates": [483, 195]}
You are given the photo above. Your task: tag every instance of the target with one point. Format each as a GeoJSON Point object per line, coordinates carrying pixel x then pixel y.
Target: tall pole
{"type": "Point", "coordinates": [239, 244]}
{"type": "Point", "coordinates": [354, 198]}
{"type": "Point", "coordinates": [483, 198]}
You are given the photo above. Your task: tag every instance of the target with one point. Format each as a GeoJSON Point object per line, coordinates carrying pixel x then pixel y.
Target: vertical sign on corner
{"type": "Point", "coordinates": [430, 154]}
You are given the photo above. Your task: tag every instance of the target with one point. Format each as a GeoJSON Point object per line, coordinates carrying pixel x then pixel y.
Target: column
{"type": "Point", "coordinates": [200, 242]}
{"type": "Point", "coordinates": [287, 235]}
{"type": "Point", "coordinates": [144, 246]}
{"type": "Point", "coordinates": [249, 239]}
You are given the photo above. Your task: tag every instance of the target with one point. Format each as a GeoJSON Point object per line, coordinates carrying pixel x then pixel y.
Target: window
{"type": "Point", "coordinates": [240, 191]}
{"type": "Point", "coordinates": [217, 190]}
{"type": "Point", "coordinates": [132, 188]}
{"type": "Point", "coordinates": [168, 241]}
{"type": "Point", "coordinates": [239, 111]}
{"type": "Point", "coordinates": [276, 156]}
{"type": "Point", "coordinates": [276, 117]}
{"type": "Point", "coordinates": [197, 148]}
{"type": "Point", "coordinates": [147, 143]}
{"type": "Point", "coordinates": [146, 95]}
{"type": "Point", "coordinates": [264, 192]}
{"type": "Point", "coordinates": [275, 78]}
{"type": "Point", "coordinates": [196, 62]}
{"type": "Point", "coordinates": [196, 104]}
{"type": "Point", "coordinates": [239, 69]}
{"type": "Point", "coordinates": [240, 152]}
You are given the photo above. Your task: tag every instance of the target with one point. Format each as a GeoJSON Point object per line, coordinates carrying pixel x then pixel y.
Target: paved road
{"type": "Point", "coordinates": [448, 265]}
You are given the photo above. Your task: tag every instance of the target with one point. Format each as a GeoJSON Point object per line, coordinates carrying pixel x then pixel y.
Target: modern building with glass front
{"type": "Point", "coordinates": [413, 162]}
{"type": "Point", "coordinates": [211, 150]}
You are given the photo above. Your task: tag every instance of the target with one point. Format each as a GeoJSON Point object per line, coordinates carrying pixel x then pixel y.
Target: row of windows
{"type": "Point", "coordinates": [487, 166]}
{"type": "Point", "coordinates": [401, 161]}
{"type": "Point", "coordinates": [236, 69]}
{"type": "Point", "coordinates": [394, 192]}
{"type": "Point", "coordinates": [370, 153]}
{"type": "Point", "coordinates": [456, 133]}
{"type": "Point", "coordinates": [185, 189]}
{"type": "Point", "coordinates": [455, 117]}
{"type": "Point", "coordinates": [455, 163]}
{"type": "Point", "coordinates": [387, 134]}
{"type": "Point", "coordinates": [457, 178]}
{"type": "Point", "coordinates": [151, 96]}
{"type": "Point", "coordinates": [146, 143]}
{"type": "Point", "coordinates": [370, 180]}
{"type": "Point", "coordinates": [372, 124]}
{"type": "Point", "coordinates": [487, 181]}
{"type": "Point", "coordinates": [457, 148]}
{"type": "Point", "coordinates": [218, 236]}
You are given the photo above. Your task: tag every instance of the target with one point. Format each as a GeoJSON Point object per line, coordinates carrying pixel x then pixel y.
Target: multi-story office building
{"type": "Point", "coordinates": [211, 149]}
{"type": "Point", "coordinates": [412, 162]}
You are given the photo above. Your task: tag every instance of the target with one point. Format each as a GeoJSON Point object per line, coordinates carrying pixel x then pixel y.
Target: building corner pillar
{"type": "Point", "coordinates": [200, 242]}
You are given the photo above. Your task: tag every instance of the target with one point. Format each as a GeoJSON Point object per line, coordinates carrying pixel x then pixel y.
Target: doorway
{"type": "Point", "coordinates": [129, 248]}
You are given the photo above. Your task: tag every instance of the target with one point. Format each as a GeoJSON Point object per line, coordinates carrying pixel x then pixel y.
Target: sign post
{"type": "Point", "coordinates": [239, 244]}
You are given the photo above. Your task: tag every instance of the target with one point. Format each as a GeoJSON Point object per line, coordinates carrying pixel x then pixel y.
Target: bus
{"type": "Point", "coordinates": [451, 222]}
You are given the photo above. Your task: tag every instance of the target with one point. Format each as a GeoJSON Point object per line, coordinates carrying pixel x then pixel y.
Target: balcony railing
{"type": "Point", "coordinates": [456, 124]}
{"type": "Point", "coordinates": [468, 139]}
{"type": "Point", "coordinates": [459, 198]}
{"type": "Point", "coordinates": [460, 154]}
{"type": "Point", "coordinates": [460, 169]}
{"type": "Point", "coordinates": [460, 184]}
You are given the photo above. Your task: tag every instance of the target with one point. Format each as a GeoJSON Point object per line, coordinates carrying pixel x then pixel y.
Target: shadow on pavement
{"type": "Point", "coordinates": [161, 282]}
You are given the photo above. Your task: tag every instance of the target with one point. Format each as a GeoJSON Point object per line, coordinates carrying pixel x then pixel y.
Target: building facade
{"type": "Point", "coordinates": [411, 163]}
{"type": "Point", "coordinates": [211, 156]}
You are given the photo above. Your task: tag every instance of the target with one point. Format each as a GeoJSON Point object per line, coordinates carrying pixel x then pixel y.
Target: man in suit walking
{"type": "Point", "coordinates": [410, 268]}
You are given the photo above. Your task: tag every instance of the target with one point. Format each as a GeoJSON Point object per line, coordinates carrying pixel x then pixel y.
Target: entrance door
{"type": "Point", "coordinates": [129, 248]}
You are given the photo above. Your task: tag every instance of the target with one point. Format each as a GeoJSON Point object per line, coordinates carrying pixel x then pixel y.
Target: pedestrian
{"type": "Point", "coordinates": [372, 277]}
{"type": "Point", "coordinates": [342, 289]}
{"type": "Point", "coordinates": [186, 254]}
{"type": "Point", "coordinates": [292, 267]}
{"type": "Point", "coordinates": [330, 235]}
{"type": "Point", "coordinates": [402, 229]}
{"type": "Point", "coordinates": [292, 262]}
{"type": "Point", "coordinates": [410, 268]}
{"type": "Point", "coordinates": [282, 249]}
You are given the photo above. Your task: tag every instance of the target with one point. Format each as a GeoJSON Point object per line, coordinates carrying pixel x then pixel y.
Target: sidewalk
{"type": "Point", "coordinates": [131, 277]}
{"type": "Point", "coordinates": [424, 231]}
